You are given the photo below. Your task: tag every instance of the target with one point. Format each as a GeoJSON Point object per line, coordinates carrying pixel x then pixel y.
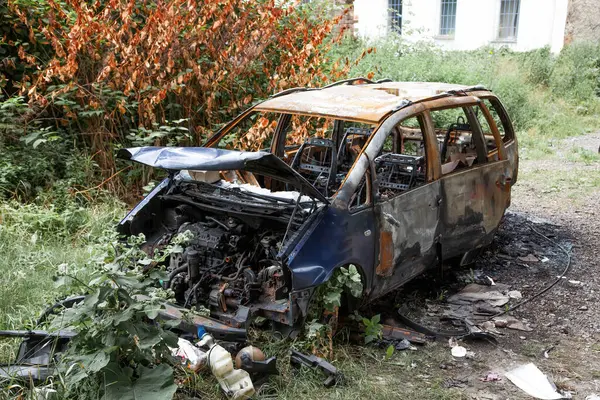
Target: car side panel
{"type": "Point", "coordinates": [473, 203]}
{"type": "Point", "coordinates": [340, 238]}
{"type": "Point", "coordinates": [513, 157]}
{"type": "Point", "coordinates": [411, 223]}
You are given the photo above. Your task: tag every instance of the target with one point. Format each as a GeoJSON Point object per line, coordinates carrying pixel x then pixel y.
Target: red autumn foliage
{"type": "Point", "coordinates": [127, 64]}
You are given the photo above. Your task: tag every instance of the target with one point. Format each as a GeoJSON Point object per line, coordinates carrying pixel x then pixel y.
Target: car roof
{"type": "Point", "coordinates": [367, 102]}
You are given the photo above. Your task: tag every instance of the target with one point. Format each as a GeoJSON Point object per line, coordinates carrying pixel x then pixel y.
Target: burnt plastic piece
{"type": "Point", "coordinates": [266, 367]}
{"type": "Point", "coordinates": [334, 377]}
{"type": "Point", "coordinates": [37, 354]}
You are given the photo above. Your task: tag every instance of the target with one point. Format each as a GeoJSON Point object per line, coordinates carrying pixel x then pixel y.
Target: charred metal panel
{"type": "Point", "coordinates": [473, 203]}
{"type": "Point", "coordinates": [148, 205]}
{"type": "Point", "coordinates": [513, 158]}
{"type": "Point", "coordinates": [412, 219]}
{"type": "Point", "coordinates": [364, 103]}
{"type": "Point", "coordinates": [341, 238]}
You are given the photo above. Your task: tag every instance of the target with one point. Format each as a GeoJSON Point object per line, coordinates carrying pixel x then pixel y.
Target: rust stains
{"type": "Point", "coordinates": [368, 103]}
{"type": "Point", "coordinates": [386, 254]}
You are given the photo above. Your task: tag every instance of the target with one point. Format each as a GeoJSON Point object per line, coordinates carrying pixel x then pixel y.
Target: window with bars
{"type": "Point", "coordinates": [448, 18]}
{"type": "Point", "coordinates": [395, 15]}
{"type": "Point", "coordinates": [509, 19]}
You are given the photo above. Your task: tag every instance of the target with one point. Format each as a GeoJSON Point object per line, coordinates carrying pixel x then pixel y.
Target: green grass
{"type": "Point", "coordinates": [35, 243]}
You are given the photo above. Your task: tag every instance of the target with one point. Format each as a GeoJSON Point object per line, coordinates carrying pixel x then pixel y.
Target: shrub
{"type": "Point", "coordinates": [120, 70]}
{"type": "Point", "coordinates": [576, 73]}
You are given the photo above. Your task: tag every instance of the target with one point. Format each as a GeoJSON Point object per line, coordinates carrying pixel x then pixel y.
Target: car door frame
{"type": "Point", "coordinates": [483, 189]}
{"type": "Point", "coordinates": [511, 144]}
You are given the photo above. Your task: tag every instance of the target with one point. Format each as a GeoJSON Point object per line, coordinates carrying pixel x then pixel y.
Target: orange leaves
{"type": "Point", "coordinates": [208, 59]}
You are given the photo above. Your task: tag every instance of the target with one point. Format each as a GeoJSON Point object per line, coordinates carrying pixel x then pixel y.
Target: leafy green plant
{"type": "Point", "coordinates": [121, 348]}
{"type": "Point", "coordinates": [343, 280]}
{"type": "Point", "coordinates": [373, 329]}
{"type": "Point", "coordinates": [389, 352]}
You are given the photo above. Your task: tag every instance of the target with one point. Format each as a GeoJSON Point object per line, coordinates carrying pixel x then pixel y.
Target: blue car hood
{"type": "Point", "coordinates": [211, 159]}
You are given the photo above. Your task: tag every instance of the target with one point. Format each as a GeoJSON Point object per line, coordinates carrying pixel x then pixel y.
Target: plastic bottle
{"type": "Point", "coordinates": [236, 383]}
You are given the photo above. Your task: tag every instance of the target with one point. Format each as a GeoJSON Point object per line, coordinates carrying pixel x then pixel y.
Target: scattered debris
{"type": "Point", "coordinates": [500, 322]}
{"type": "Point", "coordinates": [514, 294]}
{"type": "Point", "coordinates": [189, 355]}
{"type": "Point", "coordinates": [592, 397]}
{"type": "Point", "coordinates": [510, 322]}
{"type": "Point", "coordinates": [456, 383]}
{"type": "Point", "coordinates": [583, 308]}
{"type": "Point", "coordinates": [474, 293]}
{"type": "Point", "coordinates": [575, 283]}
{"type": "Point", "coordinates": [490, 327]}
{"type": "Point", "coordinates": [253, 360]}
{"type": "Point", "coordinates": [533, 382]}
{"type": "Point", "coordinates": [334, 377]}
{"type": "Point", "coordinates": [37, 354]}
{"type": "Point", "coordinates": [547, 351]}
{"type": "Point", "coordinates": [491, 377]}
{"type": "Point", "coordinates": [458, 351]}
{"type": "Point", "coordinates": [395, 333]}
{"type": "Point", "coordinates": [236, 383]}
{"type": "Point", "coordinates": [530, 258]}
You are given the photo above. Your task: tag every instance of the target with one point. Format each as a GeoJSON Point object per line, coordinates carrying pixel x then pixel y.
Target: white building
{"type": "Point", "coordinates": [466, 24]}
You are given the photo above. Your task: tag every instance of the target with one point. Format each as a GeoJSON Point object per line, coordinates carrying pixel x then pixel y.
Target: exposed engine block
{"type": "Point", "coordinates": [226, 264]}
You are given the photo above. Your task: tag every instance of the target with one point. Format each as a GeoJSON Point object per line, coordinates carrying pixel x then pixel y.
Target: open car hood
{"type": "Point", "coordinates": [211, 159]}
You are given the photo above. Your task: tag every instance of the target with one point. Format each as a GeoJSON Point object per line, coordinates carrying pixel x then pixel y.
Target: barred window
{"type": "Point", "coordinates": [395, 15]}
{"type": "Point", "coordinates": [448, 18]}
{"type": "Point", "coordinates": [509, 19]}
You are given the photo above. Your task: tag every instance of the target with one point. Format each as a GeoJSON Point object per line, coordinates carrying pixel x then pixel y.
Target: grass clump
{"type": "Point", "coordinates": [36, 243]}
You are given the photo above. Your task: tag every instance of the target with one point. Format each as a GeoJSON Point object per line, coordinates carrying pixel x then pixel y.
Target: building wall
{"type": "Point", "coordinates": [583, 21]}
{"type": "Point", "coordinates": [541, 23]}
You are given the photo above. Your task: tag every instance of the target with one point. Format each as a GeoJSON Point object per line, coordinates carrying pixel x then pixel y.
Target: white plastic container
{"type": "Point", "coordinates": [236, 383]}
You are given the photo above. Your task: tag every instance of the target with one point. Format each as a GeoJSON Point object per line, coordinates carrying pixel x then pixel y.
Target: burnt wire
{"type": "Point", "coordinates": [547, 288]}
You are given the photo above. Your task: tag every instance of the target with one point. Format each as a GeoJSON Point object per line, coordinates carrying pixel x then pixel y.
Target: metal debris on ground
{"type": "Point", "coordinates": [507, 321]}
{"type": "Point", "coordinates": [530, 258]}
{"type": "Point", "coordinates": [532, 381]}
{"type": "Point", "coordinates": [514, 294]}
{"type": "Point", "coordinates": [334, 377]}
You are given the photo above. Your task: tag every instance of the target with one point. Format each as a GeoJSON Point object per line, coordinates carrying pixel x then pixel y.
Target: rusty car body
{"type": "Point", "coordinates": [391, 177]}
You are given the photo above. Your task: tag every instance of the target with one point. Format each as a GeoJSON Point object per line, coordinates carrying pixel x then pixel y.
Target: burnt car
{"type": "Point", "coordinates": [391, 177]}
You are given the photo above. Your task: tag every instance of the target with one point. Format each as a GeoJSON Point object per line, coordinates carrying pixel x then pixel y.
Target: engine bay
{"type": "Point", "coordinates": [229, 243]}
{"type": "Point", "coordinates": [227, 263]}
